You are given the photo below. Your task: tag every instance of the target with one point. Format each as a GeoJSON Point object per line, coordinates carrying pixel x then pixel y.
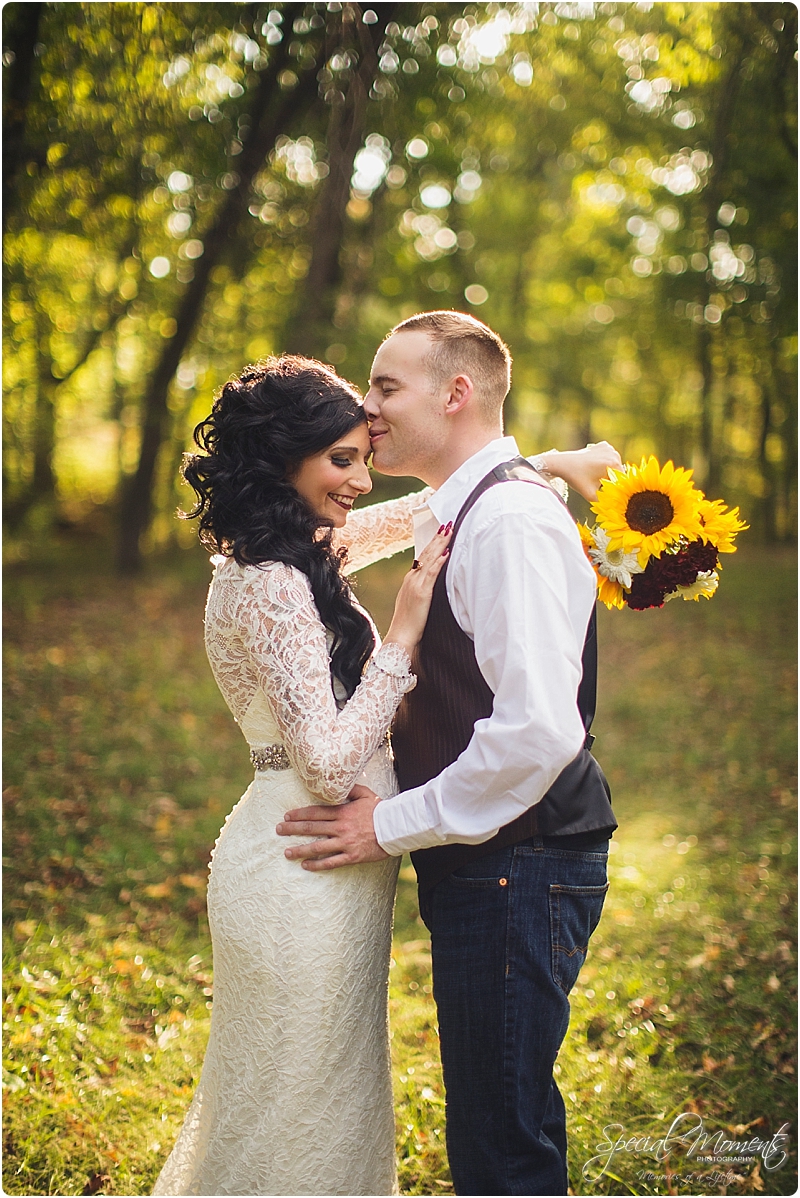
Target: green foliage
{"type": "Point", "coordinates": [94, 1013]}
{"type": "Point", "coordinates": [122, 761]}
{"type": "Point", "coordinates": [612, 188]}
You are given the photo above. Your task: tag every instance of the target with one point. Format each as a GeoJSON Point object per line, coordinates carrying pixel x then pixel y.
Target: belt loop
{"type": "Point", "coordinates": [538, 844]}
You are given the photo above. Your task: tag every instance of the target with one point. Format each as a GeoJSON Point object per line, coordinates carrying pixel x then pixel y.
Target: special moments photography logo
{"type": "Point", "coordinates": [688, 1140]}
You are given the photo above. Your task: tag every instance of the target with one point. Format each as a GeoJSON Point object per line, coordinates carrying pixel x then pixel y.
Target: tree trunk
{"type": "Point", "coordinates": [43, 482]}
{"type": "Point", "coordinates": [780, 478]}
{"type": "Point", "coordinates": [272, 111]}
{"type": "Point", "coordinates": [712, 198]}
{"type": "Point", "coordinates": [41, 489]}
{"type": "Point", "coordinates": [767, 503]}
{"type": "Point", "coordinates": [788, 490]}
{"type": "Point", "coordinates": [20, 35]}
{"type": "Point", "coordinates": [707, 422]}
{"type": "Point", "coordinates": [309, 327]}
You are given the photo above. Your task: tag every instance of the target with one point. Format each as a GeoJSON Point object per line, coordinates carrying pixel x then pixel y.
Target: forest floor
{"type": "Point", "coordinates": [122, 762]}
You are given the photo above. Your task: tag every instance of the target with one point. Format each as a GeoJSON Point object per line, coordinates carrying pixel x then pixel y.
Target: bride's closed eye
{"type": "Point", "coordinates": [346, 463]}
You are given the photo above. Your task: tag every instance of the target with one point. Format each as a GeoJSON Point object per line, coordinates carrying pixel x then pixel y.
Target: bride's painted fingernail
{"type": "Point", "coordinates": [441, 528]}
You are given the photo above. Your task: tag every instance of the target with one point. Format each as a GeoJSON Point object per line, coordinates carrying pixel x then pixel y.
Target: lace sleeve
{"type": "Point", "coordinates": [556, 482]}
{"type": "Point", "coordinates": [282, 631]}
{"type": "Point", "coordinates": [379, 530]}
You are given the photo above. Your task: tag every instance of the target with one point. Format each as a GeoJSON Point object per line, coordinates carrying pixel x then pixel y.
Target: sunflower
{"type": "Point", "coordinates": [719, 526]}
{"type": "Point", "coordinates": [647, 508]}
{"type": "Point", "coordinates": [587, 536]}
{"type": "Point", "coordinates": [609, 590]}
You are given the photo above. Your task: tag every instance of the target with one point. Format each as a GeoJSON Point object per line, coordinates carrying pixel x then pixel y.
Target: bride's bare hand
{"type": "Point", "coordinates": [413, 600]}
{"type": "Point", "coordinates": [584, 469]}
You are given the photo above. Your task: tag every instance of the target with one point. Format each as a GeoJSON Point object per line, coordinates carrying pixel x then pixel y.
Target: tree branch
{"type": "Point", "coordinates": [273, 110]}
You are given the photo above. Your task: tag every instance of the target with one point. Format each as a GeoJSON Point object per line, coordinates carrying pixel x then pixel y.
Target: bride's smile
{"type": "Point", "coordinates": [332, 480]}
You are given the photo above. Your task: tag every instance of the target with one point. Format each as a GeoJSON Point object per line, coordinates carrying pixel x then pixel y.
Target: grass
{"type": "Point", "coordinates": [122, 761]}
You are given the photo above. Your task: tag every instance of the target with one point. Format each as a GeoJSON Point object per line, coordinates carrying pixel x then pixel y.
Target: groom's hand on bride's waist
{"type": "Point", "coordinates": [347, 830]}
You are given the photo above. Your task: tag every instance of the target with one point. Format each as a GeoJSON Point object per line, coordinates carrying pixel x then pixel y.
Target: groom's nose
{"type": "Point", "coordinates": [371, 406]}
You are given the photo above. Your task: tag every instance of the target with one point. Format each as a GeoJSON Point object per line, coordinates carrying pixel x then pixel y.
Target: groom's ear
{"type": "Point", "coordinates": [461, 392]}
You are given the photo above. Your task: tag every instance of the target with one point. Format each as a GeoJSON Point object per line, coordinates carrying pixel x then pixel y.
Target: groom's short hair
{"type": "Point", "coordinates": [462, 344]}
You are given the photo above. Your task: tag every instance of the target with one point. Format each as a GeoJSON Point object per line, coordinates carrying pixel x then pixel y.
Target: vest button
{"type": "Point", "coordinates": [504, 881]}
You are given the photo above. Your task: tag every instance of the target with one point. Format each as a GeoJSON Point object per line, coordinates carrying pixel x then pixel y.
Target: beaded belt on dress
{"type": "Point", "coordinates": [271, 757]}
{"type": "Point", "coordinates": [275, 757]}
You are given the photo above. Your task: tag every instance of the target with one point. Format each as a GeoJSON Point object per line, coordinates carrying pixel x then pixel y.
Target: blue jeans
{"type": "Point", "coordinates": [509, 934]}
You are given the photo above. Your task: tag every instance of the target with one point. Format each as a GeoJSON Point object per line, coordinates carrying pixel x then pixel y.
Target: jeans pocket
{"type": "Point", "coordinates": [574, 915]}
{"type": "Point", "coordinates": [493, 870]}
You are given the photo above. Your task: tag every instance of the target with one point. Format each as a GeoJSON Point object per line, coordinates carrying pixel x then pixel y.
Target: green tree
{"type": "Point", "coordinates": [611, 187]}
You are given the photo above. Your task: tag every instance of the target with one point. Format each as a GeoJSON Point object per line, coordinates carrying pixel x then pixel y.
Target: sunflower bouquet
{"type": "Point", "coordinates": [657, 537]}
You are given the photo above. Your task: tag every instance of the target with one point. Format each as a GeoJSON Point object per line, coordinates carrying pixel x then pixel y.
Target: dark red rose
{"type": "Point", "coordinates": [647, 589]}
{"type": "Point", "coordinates": [701, 555]}
{"type": "Point", "coordinates": [664, 574]}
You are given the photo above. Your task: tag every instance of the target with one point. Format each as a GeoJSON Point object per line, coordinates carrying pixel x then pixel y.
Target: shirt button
{"type": "Point", "coordinates": [504, 882]}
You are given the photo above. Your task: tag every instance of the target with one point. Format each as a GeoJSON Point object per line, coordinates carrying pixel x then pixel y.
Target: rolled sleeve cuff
{"type": "Point", "coordinates": [402, 824]}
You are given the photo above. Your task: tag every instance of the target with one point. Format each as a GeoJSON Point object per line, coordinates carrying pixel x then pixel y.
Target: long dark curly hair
{"type": "Point", "coordinates": [263, 424]}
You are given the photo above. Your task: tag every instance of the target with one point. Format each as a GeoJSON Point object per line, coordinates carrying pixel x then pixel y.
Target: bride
{"type": "Point", "coordinates": [295, 1093]}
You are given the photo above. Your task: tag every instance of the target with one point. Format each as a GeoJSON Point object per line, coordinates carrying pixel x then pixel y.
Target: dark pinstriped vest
{"type": "Point", "coordinates": [435, 722]}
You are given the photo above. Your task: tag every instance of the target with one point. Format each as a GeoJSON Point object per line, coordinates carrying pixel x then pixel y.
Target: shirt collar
{"type": "Point", "coordinates": [447, 502]}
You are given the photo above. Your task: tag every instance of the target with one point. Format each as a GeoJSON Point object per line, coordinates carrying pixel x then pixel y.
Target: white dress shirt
{"type": "Point", "coordinates": [520, 586]}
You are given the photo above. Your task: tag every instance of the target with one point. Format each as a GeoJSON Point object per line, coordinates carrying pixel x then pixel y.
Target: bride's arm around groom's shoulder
{"type": "Point", "coordinates": [581, 469]}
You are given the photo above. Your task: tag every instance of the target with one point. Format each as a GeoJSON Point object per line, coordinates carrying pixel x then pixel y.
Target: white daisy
{"type": "Point", "coordinates": [705, 584]}
{"type": "Point", "coordinates": [617, 565]}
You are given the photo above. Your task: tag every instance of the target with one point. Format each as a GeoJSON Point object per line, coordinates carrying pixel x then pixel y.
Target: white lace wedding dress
{"type": "Point", "coordinates": [295, 1094]}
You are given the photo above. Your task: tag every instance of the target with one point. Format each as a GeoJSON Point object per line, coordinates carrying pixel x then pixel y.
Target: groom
{"type": "Point", "coordinates": [503, 808]}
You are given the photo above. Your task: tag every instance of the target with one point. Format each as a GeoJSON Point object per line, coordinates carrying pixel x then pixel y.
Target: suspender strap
{"type": "Point", "coordinates": [520, 470]}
